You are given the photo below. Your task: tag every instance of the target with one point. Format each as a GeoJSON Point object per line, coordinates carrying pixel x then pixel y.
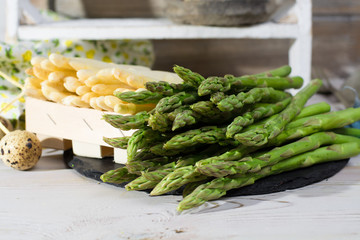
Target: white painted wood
{"type": "Point", "coordinates": [50, 202]}
{"type": "Point", "coordinates": [301, 49]}
{"type": "Point", "coordinates": [120, 155]}
{"type": "Point", "coordinates": [12, 20]}
{"type": "Point", "coordinates": [31, 13]}
{"type": "Point", "coordinates": [150, 29]}
{"type": "Point", "coordinates": [78, 124]}
{"type": "Point", "coordinates": [90, 150]}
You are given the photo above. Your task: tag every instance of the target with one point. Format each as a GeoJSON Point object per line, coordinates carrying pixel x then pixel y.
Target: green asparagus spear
{"type": "Point", "coordinates": [118, 176]}
{"type": "Point", "coordinates": [118, 142]}
{"type": "Point", "coordinates": [142, 138]}
{"type": "Point", "coordinates": [282, 71]}
{"type": "Point", "coordinates": [219, 186]}
{"type": "Point", "coordinates": [209, 113]}
{"type": "Point", "coordinates": [260, 110]}
{"type": "Point", "coordinates": [206, 109]}
{"type": "Point", "coordinates": [139, 97]}
{"type": "Point", "coordinates": [136, 167]}
{"type": "Point", "coordinates": [231, 155]}
{"type": "Point", "coordinates": [159, 173]}
{"type": "Point", "coordinates": [254, 164]}
{"type": "Point", "coordinates": [185, 118]}
{"type": "Point", "coordinates": [160, 122]}
{"type": "Point", "coordinates": [228, 82]}
{"type": "Point", "coordinates": [355, 132]}
{"type": "Point", "coordinates": [228, 103]}
{"type": "Point", "coordinates": [159, 149]}
{"type": "Point", "coordinates": [190, 187]}
{"type": "Point", "coordinates": [166, 88]}
{"type": "Point", "coordinates": [168, 104]}
{"type": "Point", "coordinates": [140, 183]}
{"type": "Point", "coordinates": [274, 126]}
{"type": "Point", "coordinates": [176, 179]}
{"type": "Point", "coordinates": [165, 121]}
{"type": "Point", "coordinates": [150, 177]}
{"type": "Point", "coordinates": [200, 136]}
{"type": "Point", "coordinates": [127, 122]}
{"type": "Point", "coordinates": [317, 123]}
{"type": "Point", "coordinates": [313, 109]}
{"type": "Point", "coordinates": [191, 78]}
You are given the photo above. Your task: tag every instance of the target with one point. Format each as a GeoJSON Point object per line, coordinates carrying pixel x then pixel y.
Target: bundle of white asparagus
{"type": "Point", "coordinates": [82, 82]}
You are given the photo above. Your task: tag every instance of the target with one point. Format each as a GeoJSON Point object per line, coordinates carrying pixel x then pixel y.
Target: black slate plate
{"type": "Point", "coordinates": [93, 168]}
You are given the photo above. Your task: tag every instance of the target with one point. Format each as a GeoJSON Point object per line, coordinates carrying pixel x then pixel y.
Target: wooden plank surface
{"type": "Point", "coordinates": [50, 202]}
{"type": "Point", "coordinates": [336, 7]}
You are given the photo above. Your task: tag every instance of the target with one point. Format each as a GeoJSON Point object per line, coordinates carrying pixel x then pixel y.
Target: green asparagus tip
{"type": "Point", "coordinates": [103, 178]}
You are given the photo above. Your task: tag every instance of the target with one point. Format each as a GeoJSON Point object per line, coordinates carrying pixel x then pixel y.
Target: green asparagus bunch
{"type": "Point", "coordinates": [210, 135]}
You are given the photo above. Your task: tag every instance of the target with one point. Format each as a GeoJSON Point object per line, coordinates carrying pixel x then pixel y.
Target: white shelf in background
{"type": "Point", "coordinates": [158, 28]}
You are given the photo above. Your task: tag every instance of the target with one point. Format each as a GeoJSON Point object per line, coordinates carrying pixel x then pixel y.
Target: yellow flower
{"type": "Point", "coordinates": [68, 43]}
{"type": "Point", "coordinates": [15, 78]}
{"type": "Point", "coordinates": [0, 48]}
{"type": "Point", "coordinates": [22, 100]}
{"type": "Point", "coordinates": [79, 48]}
{"type": "Point", "coordinates": [145, 60]}
{"type": "Point", "coordinates": [107, 59]}
{"type": "Point", "coordinates": [113, 44]}
{"type": "Point", "coordinates": [90, 53]}
{"type": "Point", "coordinates": [126, 56]}
{"type": "Point", "coordinates": [3, 95]}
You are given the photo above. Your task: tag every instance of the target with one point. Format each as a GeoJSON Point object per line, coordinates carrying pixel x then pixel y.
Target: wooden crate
{"type": "Point", "coordinates": [58, 124]}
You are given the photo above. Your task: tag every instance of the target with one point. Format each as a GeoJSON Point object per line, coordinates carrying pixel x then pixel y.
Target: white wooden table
{"type": "Point", "coordinates": [51, 202]}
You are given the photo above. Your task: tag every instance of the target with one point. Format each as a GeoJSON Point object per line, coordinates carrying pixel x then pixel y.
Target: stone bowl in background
{"type": "Point", "coordinates": [222, 12]}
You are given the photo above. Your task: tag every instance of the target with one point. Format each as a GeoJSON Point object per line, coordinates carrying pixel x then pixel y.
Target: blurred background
{"type": "Point", "coordinates": [336, 39]}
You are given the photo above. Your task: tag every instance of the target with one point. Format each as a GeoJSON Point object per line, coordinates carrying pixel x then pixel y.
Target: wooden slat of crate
{"type": "Point", "coordinates": [79, 124]}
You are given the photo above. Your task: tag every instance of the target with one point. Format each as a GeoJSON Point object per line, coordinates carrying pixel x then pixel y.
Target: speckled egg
{"type": "Point", "coordinates": [20, 149]}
